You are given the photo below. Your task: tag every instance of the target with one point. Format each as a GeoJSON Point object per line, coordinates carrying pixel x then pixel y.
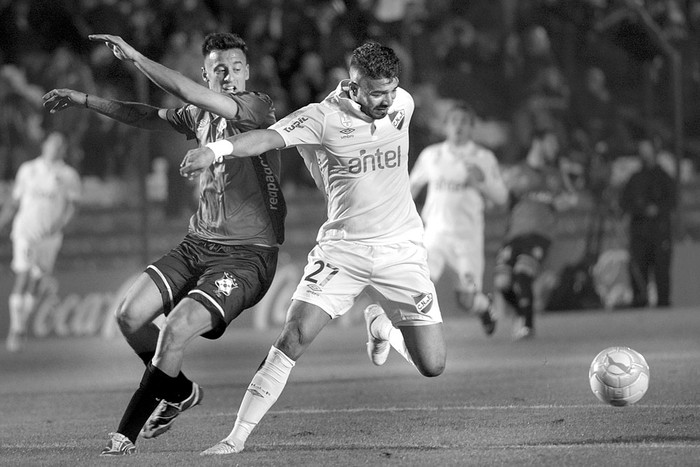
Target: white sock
{"type": "Point", "coordinates": [16, 305]}
{"type": "Point", "coordinates": [397, 342]}
{"type": "Point", "coordinates": [27, 310]}
{"type": "Point", "coordinates": [481, 303]}
{"type": "Point", "coordinates": [383, 329]}
{"type": "Point", "coordinates": [263, 391]}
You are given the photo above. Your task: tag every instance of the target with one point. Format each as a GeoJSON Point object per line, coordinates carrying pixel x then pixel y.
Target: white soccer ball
{"type": "Point", "coordinates": [619, 376]}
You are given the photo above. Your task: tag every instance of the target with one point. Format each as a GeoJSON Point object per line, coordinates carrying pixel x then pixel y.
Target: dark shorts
{"type": "Point", "coordinates": [225, 279]}
{"type": "Point", "coordinates": [532, 246]}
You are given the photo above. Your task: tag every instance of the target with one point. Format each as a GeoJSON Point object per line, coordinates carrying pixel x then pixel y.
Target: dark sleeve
{"type": "Point", "coordinates": [183, 120]}
{"type": "Point", "coordinates": [255, 110]}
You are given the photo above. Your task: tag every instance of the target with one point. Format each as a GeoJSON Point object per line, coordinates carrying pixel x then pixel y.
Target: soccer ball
{"type": "Point", "coordinates": [619, 376]}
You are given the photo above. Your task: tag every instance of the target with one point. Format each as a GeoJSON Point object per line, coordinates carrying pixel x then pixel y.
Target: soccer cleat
{"type": "Point", "coordinates": [377, 348]}
{"type": "Point", "coordinates": [521, 331]}
{"type": "Point", "coordinates": [221, 448]}
{"type": "Point", "coordinates": [119, 445]}
{"type": "Point", "coordinates": [488, 320]}
{"type": "Point", "coordinates": [164, 415]}
{"type": "Point", "coordinates": [14, 342]}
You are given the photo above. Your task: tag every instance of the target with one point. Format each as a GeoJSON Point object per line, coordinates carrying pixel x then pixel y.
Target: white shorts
{"type": "Point", "coordinates": [395, 276]}
{"type": "Point", "coordinates": [35, 257]}
{"type": "Point", "coordinates": [463, 255]}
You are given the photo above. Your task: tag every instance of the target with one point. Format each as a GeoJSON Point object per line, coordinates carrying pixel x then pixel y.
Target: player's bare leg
{"type": "Point", "coordinates": [426, 345]}
{"type": "Point", "coordinates": [22, 302]}
{"type": "Point", "coordinates": [304, 322]}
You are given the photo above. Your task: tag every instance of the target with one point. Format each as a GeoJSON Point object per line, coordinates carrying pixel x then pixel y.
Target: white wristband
{"type": "Point", "coordinates": [221, 148]}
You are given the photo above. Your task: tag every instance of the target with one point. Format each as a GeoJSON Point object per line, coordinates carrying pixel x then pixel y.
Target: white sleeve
{"type": "Point", "coordinates": [21, 182]}
{"type": "Point", "coordinates": [304, 126]}
{"type": "Point", "coordinates": [419, 176]}
{"type": "Point", "coordinates": [494, 187]}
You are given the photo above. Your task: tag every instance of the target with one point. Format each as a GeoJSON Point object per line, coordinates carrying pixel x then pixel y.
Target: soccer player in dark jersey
{"type": "Point", "coordinates": [537, 190]}
{"type": "Point", "coordinates": [228, 258]}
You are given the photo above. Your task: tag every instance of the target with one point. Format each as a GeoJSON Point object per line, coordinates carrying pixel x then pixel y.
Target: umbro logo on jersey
{"type": "Point", "coordinates": [424, 302]}
{"type": "Point", "coordinates": [225, 285]}
{"type": "Point", "coordinates": [347, 131]}
{"type": "Point", "coordinates": [397, 118]}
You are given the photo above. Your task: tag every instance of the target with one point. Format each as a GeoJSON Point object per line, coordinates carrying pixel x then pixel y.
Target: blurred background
{"type": "Point", "coordinates": [602, 73]}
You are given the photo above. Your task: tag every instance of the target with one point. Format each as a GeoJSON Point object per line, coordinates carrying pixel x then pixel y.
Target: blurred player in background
{"type": "Point", "coordinates": [461, 177]}
{"type": "Point", "coordinates": [537, 191]}
{"type": "Point", "coordinates": [371, 241]}
{"type": "Point", "coordinates": [43, 201]}
{"type": "Point", "coordinates": [228, 259]}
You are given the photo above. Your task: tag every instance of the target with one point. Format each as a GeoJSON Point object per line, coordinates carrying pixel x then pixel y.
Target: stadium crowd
{"type": "Point", "coordinates": [575, 66]}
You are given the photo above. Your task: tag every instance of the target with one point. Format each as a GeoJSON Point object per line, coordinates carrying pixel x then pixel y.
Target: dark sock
{"type": "Point", "coordinates": [141, 406]}
{"type": "Point", "coordinates": [183, 384]}
{"type": "Point", "coordinates": [155, 385]}
{"type": "Point", "coordinates": [146, 357]}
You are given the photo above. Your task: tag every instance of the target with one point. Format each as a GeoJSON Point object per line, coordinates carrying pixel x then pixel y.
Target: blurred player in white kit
{"type": "Point", "coordinates": [462, 177]}
{"type": "Point", "coordinates": [42, 203]}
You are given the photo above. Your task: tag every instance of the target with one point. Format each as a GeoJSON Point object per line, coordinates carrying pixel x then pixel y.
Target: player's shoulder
{"type": "Point", "coordinates": [251, 95]}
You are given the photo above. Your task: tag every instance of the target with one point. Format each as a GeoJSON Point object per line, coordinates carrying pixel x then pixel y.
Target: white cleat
{"type": "Point", "coordinates": [377, 348]}
{"type": "Point", "coordinates": [221, 448]}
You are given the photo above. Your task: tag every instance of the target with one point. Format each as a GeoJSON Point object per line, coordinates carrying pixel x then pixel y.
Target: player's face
{"type": "Point", "coordinates": [54, 147]}
{"type": "Point", "coordinates": [550, 147]}
{"type": "Point", "coordinates": [226, 70]}
{"type": "Point", "coordinates": [459, 126]}
{"type": "Point", "coordinates": [375, 96]}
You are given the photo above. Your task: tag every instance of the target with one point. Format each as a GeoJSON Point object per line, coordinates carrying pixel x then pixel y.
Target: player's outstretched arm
{"type": "Point", "coordinates": [250, 143]}
{"type": "Point", "coordinates": [132, 113]}
{"type": "Point", "coordinates": [169, 80]}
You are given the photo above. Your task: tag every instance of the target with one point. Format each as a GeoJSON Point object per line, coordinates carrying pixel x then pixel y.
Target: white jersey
{"type": "Point", "coordinates": [453, 205]}
{"type": "Point", "coordinates": [45, 192]}
{"type": "Point", "coordinates": [363, 166]}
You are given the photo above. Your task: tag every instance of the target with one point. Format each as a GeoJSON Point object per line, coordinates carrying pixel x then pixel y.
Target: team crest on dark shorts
{"type": "Point", "coordinates": [225, 285]}
{"type": "Point", "coordinates": [424, 302]}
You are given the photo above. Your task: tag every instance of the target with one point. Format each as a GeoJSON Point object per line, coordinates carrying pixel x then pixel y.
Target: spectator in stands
{"type": "Point", "coordinates": [649, 198]}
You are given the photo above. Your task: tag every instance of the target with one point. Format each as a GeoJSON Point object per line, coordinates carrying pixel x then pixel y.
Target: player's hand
{"type": "Point", "coordinates": [60, 99]}
{"type": "Point", "coordinates": [196, 161]}
{"type": "Point", "coordinates": [117, 45]}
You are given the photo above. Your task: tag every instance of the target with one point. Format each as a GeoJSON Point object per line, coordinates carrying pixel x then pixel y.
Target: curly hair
{"type": "Point", "coordinates": [223, 41]}
{"type": "Point", "coordinates": [375, 61]}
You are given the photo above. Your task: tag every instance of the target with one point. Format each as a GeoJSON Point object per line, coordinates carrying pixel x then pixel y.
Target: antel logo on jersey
{"type": "Point", "coordinates": [369, 162]}
{"type": "Point", "coordinates": [424, 302]}
{"type": "Point", "coordinates": [397, 118]}
{"type": "Point", "coordinates": [299, 122]}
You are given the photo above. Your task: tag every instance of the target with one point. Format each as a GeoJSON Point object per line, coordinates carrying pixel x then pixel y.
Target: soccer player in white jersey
{"type": "Point", "coordinates": [371, 241]}
{"type": "Point", "coordinates": [42, 203]}
{"type": "Point", "coordinates": [461, 177]}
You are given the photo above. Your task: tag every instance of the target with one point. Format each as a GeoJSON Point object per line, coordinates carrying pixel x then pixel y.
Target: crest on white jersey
{"type": "Point", "coordinates": [225, 285]}
{"type": "Point", "coordinates": [397, 118]}
{"type": "Point", "coordinates": [345, 120]}
{"type": "Point", "coordinates": [424, 302]}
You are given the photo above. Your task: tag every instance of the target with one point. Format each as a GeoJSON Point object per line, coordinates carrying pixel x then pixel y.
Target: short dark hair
{"type": "Point", "coordinates": [223, 41]}
{"type": "Point", "coordinates": [462, 106]}
{"type": "Point", "coordinates": [375, 61]}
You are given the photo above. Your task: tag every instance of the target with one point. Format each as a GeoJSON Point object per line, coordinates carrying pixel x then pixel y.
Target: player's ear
{"type": "Point", "coordinates": [204, 75]}
{"type": "Point", "coordinates": [353, 87]}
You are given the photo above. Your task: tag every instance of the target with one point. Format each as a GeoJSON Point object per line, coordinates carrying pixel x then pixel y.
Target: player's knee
{"type": "Point", "coordinates": [433, 368]}
{"type": "Point", "coordinates": [502, 281]}
{"type": "Point", "coordinates": [465, 299]}
{"type": "Point", "coordinates": [126, 318]}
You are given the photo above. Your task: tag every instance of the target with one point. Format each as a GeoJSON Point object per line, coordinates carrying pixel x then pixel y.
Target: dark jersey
{"type": "Point", "coordinates": [240, 202]}
{"type": "Point", "coordinates": [532, 192]}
